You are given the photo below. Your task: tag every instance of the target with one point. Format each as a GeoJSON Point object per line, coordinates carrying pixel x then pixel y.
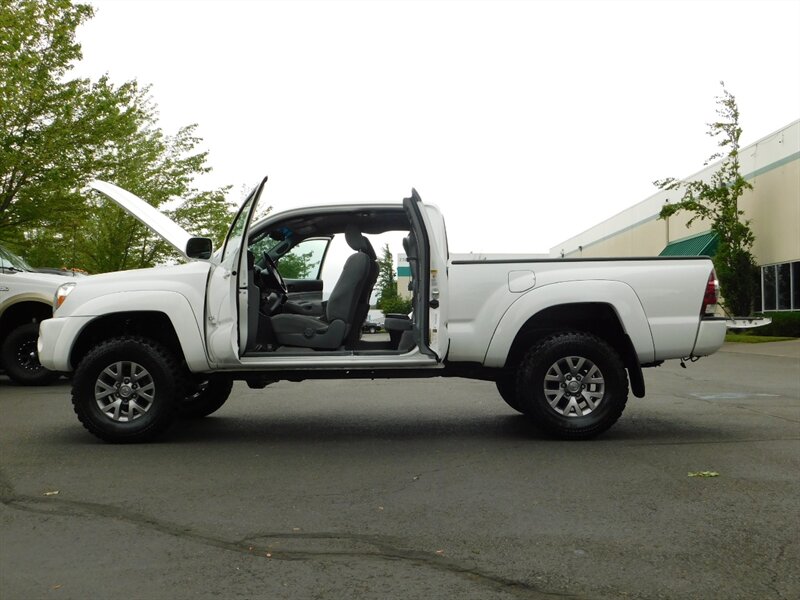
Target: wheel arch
{"type": "Point", "coordinates": [24, 311]}
{"type": "Point", "coordinates": [559, 306]}
{"type": "Point", "coordinates": [597, 318]}
{"type": "Point", "coordinates": [154, 325]}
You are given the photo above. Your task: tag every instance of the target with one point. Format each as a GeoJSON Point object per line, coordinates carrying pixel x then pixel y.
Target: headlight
{"type": "Point", "coordinates": [61, 294]}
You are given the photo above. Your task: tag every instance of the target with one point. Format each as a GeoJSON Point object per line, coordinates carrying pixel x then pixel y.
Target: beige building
{"type": "Point", "coordinates": [772, 166]}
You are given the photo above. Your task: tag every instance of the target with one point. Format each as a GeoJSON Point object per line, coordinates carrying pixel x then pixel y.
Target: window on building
{"type": "Point", "coordinates": [768, 287]}
{"type": "Point", "coordinates": [784, 282]}
{"type": "Point", "coordinates": [780, 286]}
{"type": "Point", "coordinates": [796, 285]}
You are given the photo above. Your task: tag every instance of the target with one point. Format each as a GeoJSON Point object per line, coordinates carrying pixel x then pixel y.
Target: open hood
{"type": "Point", "coordinates": [186, 244]}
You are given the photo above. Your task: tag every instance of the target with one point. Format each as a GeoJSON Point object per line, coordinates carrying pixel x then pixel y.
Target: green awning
{"type": "Point", "coordinates": [700, 244]}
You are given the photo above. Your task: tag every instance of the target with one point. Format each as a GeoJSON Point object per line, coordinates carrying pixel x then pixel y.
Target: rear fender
{"type": "Point", "coordinates": [618, 295]}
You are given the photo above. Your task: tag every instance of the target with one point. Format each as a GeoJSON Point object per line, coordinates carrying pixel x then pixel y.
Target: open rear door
{"type": "Point", "coordinates": [431, 300]}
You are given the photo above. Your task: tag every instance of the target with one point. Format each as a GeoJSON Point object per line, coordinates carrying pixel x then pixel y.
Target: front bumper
{"type": "Point", "coordinates": [56, 337]}
{"type": "Point", "coordinates": [710, 336]}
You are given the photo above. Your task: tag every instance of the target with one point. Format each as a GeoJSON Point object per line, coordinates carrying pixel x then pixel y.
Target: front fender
{"type": "Point", "coordinates": [620, 296]}
{"type": "Point", "coordinates": [184, 317]}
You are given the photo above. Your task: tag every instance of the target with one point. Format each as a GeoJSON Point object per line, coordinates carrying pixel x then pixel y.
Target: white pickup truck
{"type": "Point", "coordinates": [562, 338]}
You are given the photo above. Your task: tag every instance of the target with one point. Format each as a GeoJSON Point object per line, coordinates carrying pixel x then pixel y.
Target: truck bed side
{"type": "Point", "coordinates": [657, 301]}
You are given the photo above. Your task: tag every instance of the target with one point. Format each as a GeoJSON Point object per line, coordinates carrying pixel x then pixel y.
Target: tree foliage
{"type": "Point", "coordinates": [389, 300]}
{"type": "Point", "coordinates": [57, 133]}
{"type": "Point", "coordinates": [717, 201]}
{"type": "Point", "coordinates": [297, 265]}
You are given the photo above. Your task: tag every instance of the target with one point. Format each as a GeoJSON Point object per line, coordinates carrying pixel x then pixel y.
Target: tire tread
{"type": "Point", "coordinates": [544, 418]}
{"type": "Point", "coordinates": [157, 352]}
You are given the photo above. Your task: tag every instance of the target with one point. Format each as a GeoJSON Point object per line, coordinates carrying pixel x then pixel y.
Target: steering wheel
{"type": "Point", "coordinates": [273, 276]}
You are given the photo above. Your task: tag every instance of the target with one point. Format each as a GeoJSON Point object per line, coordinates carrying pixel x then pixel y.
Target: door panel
{"type": "Point", "coordinates": [227, 328]}
{"type": "Point", "coordinates": [431, 300]}
{"type": "Point", "coordinates": [304, 286]}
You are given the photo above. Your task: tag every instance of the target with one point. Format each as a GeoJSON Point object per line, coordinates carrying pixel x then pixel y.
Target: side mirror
{"type": "Point", "coordinates": [199, 247]}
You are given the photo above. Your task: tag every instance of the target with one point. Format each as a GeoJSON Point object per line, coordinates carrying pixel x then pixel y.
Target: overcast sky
{"type": "Point", "coordinates": [525, 122]}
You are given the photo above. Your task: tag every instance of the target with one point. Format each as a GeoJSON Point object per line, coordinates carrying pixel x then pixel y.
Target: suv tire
{"type": "Point", "coordinates": [20, 358]}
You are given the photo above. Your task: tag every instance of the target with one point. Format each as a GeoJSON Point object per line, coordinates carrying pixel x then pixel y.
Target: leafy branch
{"type": "Point", "coordinates": [717, 201]}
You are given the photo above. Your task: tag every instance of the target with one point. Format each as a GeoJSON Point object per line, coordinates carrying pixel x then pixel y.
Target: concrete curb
{"type": "Point", "coordinates": [787, 349]}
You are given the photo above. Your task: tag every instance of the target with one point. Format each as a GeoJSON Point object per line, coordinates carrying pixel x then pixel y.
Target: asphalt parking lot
{"type": "Point", "coordinates": [415, 489]}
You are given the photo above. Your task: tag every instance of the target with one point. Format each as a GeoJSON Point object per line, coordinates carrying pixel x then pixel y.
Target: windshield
{"type": "Point", "coordinates": [9, 260]}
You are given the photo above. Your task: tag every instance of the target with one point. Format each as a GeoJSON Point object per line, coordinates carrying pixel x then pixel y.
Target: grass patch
{"type": "Point", "coordinates": [746, 338]}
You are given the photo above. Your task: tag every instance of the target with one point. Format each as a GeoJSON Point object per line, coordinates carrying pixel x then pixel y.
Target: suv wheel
{"type": "Point", "coordinates": [20, 358]}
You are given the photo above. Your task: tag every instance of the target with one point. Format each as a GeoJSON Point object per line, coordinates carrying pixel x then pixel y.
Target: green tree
{"type": "Point", "coordinates": [296, 266]}
{"type": "Point", "coordinates": [160, 169]}
{"type": "Point", "coordinates": [717, 201]}
{"type": "Point", "coordinates": [60, 133]}
{"type": "Point", "coordinates": [51, 127]}
{"type": "Point", "coordinates": [389, 300]}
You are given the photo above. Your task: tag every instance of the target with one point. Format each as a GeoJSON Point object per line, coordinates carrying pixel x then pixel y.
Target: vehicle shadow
{"type": "Point", "coordinates": [500, 428]}
{"type": "Point", "coordinates": [313, 428]}
{"type": "Point", "coordinates": [431, 427]}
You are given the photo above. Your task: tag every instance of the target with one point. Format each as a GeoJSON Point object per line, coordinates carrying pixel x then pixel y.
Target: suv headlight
{"type": "Point", "coordinates": [61, 294]}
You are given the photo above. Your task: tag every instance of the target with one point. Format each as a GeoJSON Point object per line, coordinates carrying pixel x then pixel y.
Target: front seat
{"type": "Point", "coordinates": [358, 242]}
{"type": "Point", "coordinates": [330, 331]}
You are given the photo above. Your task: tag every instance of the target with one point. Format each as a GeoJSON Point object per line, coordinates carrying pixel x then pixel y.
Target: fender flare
{"type": "Point", "coordinates": [177, 308]}
{"type": "Point", "coordinates": [618, 295]}
{"type": "Point", "coordinates": [31, 297]}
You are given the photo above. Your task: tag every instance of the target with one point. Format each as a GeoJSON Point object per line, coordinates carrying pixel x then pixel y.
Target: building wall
{"type": "Point", "coordinates": [772, 165]}
{"type": "Point", "coordinates": [403, 277]}
{"type": "Point", "coordinates": [773, 207]}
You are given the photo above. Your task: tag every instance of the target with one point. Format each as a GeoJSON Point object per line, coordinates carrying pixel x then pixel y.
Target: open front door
{"type": "Point", "coordinates": [431, 299]}
{"type": "Point", "coordinates": [228, 327]}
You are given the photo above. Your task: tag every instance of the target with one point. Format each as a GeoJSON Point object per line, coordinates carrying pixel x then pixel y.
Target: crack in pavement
{"type": "Point", "coordinates": [774, 573]}
{"type": "Point", "coordinates": [382, 548]}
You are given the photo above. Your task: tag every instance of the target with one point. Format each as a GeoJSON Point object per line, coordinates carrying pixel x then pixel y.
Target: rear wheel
{"type": "Point", "coordinates": [21, 359]}
{"type": "Point", "coordinates": [125, 390]}
{"type": "Point", "coordinates": [572, 385]}
{"type": "Point", "coordinates": [206, 395]}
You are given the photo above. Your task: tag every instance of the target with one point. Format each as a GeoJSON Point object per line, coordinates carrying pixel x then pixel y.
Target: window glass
{"type": "Point", "coordinates": [784, 287]}
{"type": "Point", "coordinates": [235, 236]}
{"type": "Point", "coordinates": [234, 240]}
{"type": "Point", "coordinates": [304, 260]}
{"type": "Point", "coordinates": [9, 260]}
{"type": "Point", "coordinates": [796, 286]}
{"type": "Point", "coordinates": [768, 284]}
{"type": "Point", "coordinates": [759, 300]}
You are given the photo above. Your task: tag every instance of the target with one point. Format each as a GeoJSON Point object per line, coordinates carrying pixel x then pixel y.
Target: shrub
{"type": "Point", "coordinates": [783, 324]}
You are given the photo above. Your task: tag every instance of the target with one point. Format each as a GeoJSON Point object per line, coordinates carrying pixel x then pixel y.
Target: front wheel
{"type": "Point", "coordinates": [21, 359]}
{"type": "Point", "coordinates": [125, 390]}
{"type": "Point", "coordinates": [572, 385]}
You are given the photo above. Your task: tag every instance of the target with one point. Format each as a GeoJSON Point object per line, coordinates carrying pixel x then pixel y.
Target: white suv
{"type": "Point", "coordinates": [26, 298]}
